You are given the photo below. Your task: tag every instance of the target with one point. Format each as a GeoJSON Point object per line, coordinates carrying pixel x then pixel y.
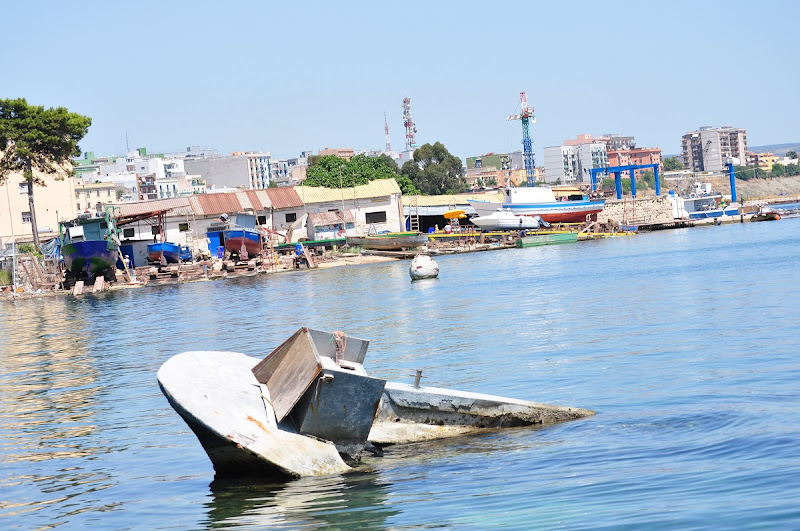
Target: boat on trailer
{"type": "Point", "coordinates": [90, 246]}
{"type": "Point", "coordinates": [540, 201]}
{"type": "Point", "coordinates": [310, 408]}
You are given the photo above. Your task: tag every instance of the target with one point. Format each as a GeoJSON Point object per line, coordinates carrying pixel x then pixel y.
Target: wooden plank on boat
{"type": "Point", "coordinates": [288, 371]}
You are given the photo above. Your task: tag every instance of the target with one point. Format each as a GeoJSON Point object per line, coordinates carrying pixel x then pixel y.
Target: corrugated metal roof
{"type": "Point", "coordinates": [284, 198]}
{"type": "Point", "coordinates": [259, 199]}
{"type": "Point", "coordinates": [446, 200]}
{"type": "Point", "coordinates": [244, 201]}
{"type": "Point", "coordinates": [215, 204]}
{"type": "Point", "coordinates": [319, 219]}
{"type": "Point", "coordinates": [176, 205]}
{"type": "Point", "coordinates": [376, 188]}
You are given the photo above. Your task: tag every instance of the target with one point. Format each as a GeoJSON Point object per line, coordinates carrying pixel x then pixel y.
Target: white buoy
{"type": "Point", "coordinates": [423, 266]}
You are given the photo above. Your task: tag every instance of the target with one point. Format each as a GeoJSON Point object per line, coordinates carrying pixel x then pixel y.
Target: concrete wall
{"type": "Point", "coordinates": [632, 211]}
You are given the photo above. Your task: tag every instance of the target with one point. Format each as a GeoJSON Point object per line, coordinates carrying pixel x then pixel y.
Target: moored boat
{"type": "Point", "coordinates": [539, 201]}
{"type": "Point", "coordinates": [554, 238]}
{"type": "Point", "coordinates": [90, 246]}
{"type": "Point", "coordinates": [391, 241]}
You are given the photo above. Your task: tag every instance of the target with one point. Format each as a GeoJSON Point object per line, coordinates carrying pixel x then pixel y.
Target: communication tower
{"type": "Point", "coordinates": [386, 129]}
{"type": "Point", "coordinates": [526, 115]}
{"type": "Point", "coordinates": [411, 127]}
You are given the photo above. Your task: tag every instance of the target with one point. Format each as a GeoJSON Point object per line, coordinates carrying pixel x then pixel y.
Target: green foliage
{"type": "Point", "coordinates": [793, 169]}
{"type": "Point", "coordinates": [35, 138]}
{"type": "Point", "coordinates": [778, 170]}
{"type": "Point", "coordinates": [333, 172]}
{"type": "Point", "coordinates": [273, 184]}
{"type": "Point", "coordinates": [672, 164]}
{"type": "Point", "coordinates": [6, 278]}
{"type": "Point", "coordinates": [435, 171]}
{"type": "Point", "coordinates": [646, 181]}
{"type": "Point", "coordinates": [28, 248]}
{"type": "Point", "coordinates": [791, 154]}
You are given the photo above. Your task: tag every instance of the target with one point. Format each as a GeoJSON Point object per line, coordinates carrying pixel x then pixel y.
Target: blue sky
{"type": "Point", "coordinates": [284, 77]}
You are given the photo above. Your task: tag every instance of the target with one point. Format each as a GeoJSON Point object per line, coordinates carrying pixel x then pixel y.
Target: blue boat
{"type": "Point", "coordinates": [169, 251]}
{"type": "Point", "coordinates": [239, 238]}
{"type": "Point", "coordinates": [90, 246]}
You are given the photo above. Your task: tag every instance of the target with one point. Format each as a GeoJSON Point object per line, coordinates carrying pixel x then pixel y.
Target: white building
{"type": "Point", "coordinates": [244, 171]}
{"type": "Point", "coordinates": [708, 149]}
{"type": "Point", "coordinates": [570, 164]}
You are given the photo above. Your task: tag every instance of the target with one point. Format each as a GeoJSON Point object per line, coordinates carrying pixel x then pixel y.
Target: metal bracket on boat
{"type": "Point", "coordinates": [327, 377]}
{"type": "Point", "coordinates": [417, 378]}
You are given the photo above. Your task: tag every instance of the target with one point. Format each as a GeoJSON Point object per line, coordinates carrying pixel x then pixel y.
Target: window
{"type": "Point", "coordinates": [290, 218]}
{"type": "Point", "coordinates": [155, 230]}
{"type": "Point", "coordinates": [376, 217]}
{"type": "Point", "coordinates": [97, 192]}
{"type": "Point", "coordinates": [26, 217]}
{"type": "Point", "coordinates": [23, 188]}
{"type": "Point", "coordinates": [127, 233]}
{"type": "Point", "coordinates": [78, 206]}
{"type": "Point", "coordinates": [183, 227]}
{"type": "Point", "coordinates": [108, 192]}
{"type": "Point", "coordinates": [262, 220]}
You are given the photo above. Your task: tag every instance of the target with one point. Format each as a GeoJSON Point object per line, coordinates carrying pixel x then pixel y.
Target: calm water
{"type": "Point", "coordinates": [685, 343]}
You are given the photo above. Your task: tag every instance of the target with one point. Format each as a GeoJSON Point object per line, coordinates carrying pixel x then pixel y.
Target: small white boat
{"type": "Point", "coordinates": [309, 408]}
{"type": "Point", "coordinates": [506, 220]}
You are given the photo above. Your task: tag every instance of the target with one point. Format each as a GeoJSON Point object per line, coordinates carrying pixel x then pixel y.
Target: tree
{"type": "Point", "coordinates": [334, 172]}
{"type": "Point", "coordinates": [35, 138]}
{"type": "Point", "coordinates": [672, 164]}
{"type": "Point", "coordinates": [791, 154]}
{"type": "Point", "coordinates": [435, 171]}
{"type": "Point", "coordinates": [778, 170]}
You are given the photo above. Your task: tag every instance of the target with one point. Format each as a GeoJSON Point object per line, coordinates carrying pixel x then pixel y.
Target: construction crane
{"type": "Point", "coordinates": [526, 115]}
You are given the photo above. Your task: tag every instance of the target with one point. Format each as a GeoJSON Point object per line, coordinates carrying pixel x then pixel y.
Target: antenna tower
{"type": "Point", "coordinates": [526, 115]}
{"type": "Point", "coordinates": [411, 127]}
{"type": "Point", "coordinates": [386, 129]}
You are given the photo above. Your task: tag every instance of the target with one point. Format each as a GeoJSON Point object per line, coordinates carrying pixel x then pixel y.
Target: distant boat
{"type": "Point", "coordinates": [539, 201]}
{"type": "Point", "coordinates": [391, 241]}
{"type": "Point", "coordinates": [547, 239]}
{"type": "Point", "coordinates": [170, 251]}
{"type": "Point", "coordinates": [90, 246]}
{"type": "Point", "coordinates": [703, 203]}
{"type": "Point", "coordinates": [766, 213]}
{"type": "Point", "coordinates": [506, 220]}
{"type": "Point", "coordinates": [237, 238]}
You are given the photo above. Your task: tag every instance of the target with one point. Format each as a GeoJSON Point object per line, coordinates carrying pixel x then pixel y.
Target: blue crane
{"type": "Point", "coordinates": [526, 115]}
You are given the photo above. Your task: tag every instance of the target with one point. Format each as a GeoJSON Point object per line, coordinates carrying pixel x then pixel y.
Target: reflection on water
{"type": "Point", "coordinates": [353, 501]}
{"type": "Point", "coordinates": [684, 342]}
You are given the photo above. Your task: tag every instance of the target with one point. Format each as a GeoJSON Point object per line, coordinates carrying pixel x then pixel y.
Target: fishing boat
{"type": "Point", "coordinates": [766, 213]}
{"type": "Point", "coordinates": [238, 239]}
{"type": "Point", "coordinates": [703, 203]}
{"type": "Point", "coordinates": [169, 252]}
{"type": "Point", "coordinates": [90, 246]}
{"type": "Point", "coordinates": [309, 408]}
{"type": "Point", "coordinates": [506, 220]}
{"type": "Point", "coordinates": [554, 238]}
{"type": "Point", "coordinates": [390, 241]}
{"type": "Point", "coordinates": [539, 201]}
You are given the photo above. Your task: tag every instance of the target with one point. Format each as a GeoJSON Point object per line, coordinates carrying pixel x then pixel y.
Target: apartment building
{"type": "Point", "coordinates": [708, 149]}
{"type": "Point", "coordinates": [765, 161]}
{"type": "Point", "coordinates": [241, 170]}
{"type": "Point", "coordinates": [94, 197]}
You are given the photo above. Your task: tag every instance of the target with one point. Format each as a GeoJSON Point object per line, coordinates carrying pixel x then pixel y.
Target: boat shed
{"type": "Point", "coordinates": [376, 205]}
{"type": "Point", "coordinates": [431, 208]}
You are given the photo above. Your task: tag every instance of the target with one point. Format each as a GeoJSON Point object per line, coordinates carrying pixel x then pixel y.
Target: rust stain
{"type": "Point", "coordinates": [257, 423]}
